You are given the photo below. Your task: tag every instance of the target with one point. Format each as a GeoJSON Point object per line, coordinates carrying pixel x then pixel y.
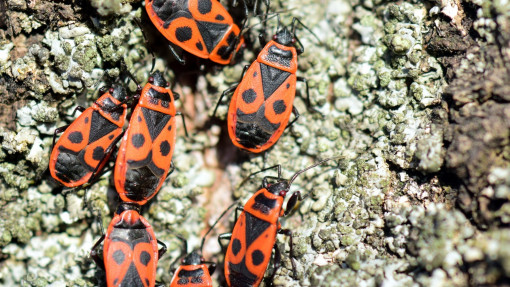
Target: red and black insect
{"type": "Point", "coordinates": [130, 249]}
{"type": "Point", "coordinates": [84, 148]}
{"type": "Point", "coordinates": [254, 235]}
{"type": "Point", "coordinates": [145, 154]}
{"type": "Point", "coordinates": [193, 271]}
{"type": "Point", "coordinates": [263, 100]}
{"type": "Point", "coordinates": [203, 28]}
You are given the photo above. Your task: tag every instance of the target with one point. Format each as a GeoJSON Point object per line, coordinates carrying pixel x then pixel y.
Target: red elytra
{"type": "Point", "coordinates": [203, 28]}
{"type": "Point", "coordinates": [254, 235]}
{"type": "Point", "coordinates": [263, 100]}
{"type": "Point", "coordinates": [130, 249]}
{"type": "Point", "coordinates": [86, 144]}
{"type": "Point", "coordinates": [145, 154]}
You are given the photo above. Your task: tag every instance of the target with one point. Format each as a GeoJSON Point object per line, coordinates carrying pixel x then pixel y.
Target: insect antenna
{"type": "Point", "coordinates": [310, 167]}
{"type": "Point", "coordinates": [214, 224]}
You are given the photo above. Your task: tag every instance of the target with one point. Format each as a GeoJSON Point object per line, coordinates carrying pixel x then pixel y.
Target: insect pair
{"type": "Point", "coordinates": [130, 251]}
{"type": "Point", "coordinates": [263, 99]}
{"type": "Point", "coordinates": [144, 156]}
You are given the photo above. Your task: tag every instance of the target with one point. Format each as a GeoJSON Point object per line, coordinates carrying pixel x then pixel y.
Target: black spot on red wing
{"type": "Point", "coordinates": [75, 137]}
{"type": "Point", "coordinates": [145, 258]}
{"type": "Point", "coordinates": [115, 281]}
{"type": "Point", "coordinates": [255, 74]}
{"type": "Point", "coordinates": [147, 282]}
{"type": "Point", "coordinates": [249, 96]}
{"type": "Point", "coordinates": [199, 46]}
{"type": "Point", "coordinates": [100, 127]}
{"type": "Point", "coordinates": [164, 147]}
{"type": "Point", "coordinates": [219, 17]}
{"type": "Point", "coordinates": [288, 85]}
{"type": "Point", "coordinates": [98, 153]}
{"type": "Point", "coordinates": [86, 120]}
{"type": "Point", "coordinates": [110, 137]}
{"type": "Point", "coordinates": [272, 78]}
{"type": "Point", "coordinates": [236, 246]}
{"type": "Point", "coordinates": [279, 107]}
{"type": "Point", "coordinates": [257, 257]}
{"type": "Point", "coordinates": [183, 34]}
{"type": "Point", "coordinates": [204, 6]}
{"type": "Point", "coordinates": [138, 140]}
{"type": "Point", "coordinates": [139, 118]}
{"type": "Point", "coordinates": [119, 257]}
{"type": "Point", "coordinates": [169, 127]}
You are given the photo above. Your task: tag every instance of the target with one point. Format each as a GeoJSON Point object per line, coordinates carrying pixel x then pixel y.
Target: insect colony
{"type": "Point", "coordinates": [260, 108]}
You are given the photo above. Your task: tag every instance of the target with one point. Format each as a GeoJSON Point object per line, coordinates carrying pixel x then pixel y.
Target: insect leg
{"type": "Point", "coordinates": [224, 236]}
{"type": "Point", "coordinates": [296, 116]}
{"type": "Point", "coordinates": [288, 233]}
{"type": "Point", "coordinates": [57, 131]}
{"type": "Point", "coordinates": [162, 250]}
{"type": "Point", "coordinates": [308, 102]}
{"type": "Point", "coordinates": [107, 153]}
{"type": "Point", "coordinates": [176, 56]}
{"type": "Point", "coordinates": [291, 203]}
{"type": "Point", "coordinates": [276, 265]}
{"type": "Point", "coordinates": [183, 123]}
{"type": "Point", "coordinates": [94, 253]}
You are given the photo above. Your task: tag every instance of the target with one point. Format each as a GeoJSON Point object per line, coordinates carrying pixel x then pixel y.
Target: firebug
{"type": "Point", "coordinates": [254, 235]}
{"type": "Point", "coordinates": [193, 271]}
{"type": "Point", "coordinates": [130, 249]}
{"type": "Point", "coordinates": [203, 28]}
{"type": "Point", "coordinates": [263, 100]}
{"type": "Point", "coordinates": [86, 144]}
{"type": "Point", "coordinates": [145, 153]}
